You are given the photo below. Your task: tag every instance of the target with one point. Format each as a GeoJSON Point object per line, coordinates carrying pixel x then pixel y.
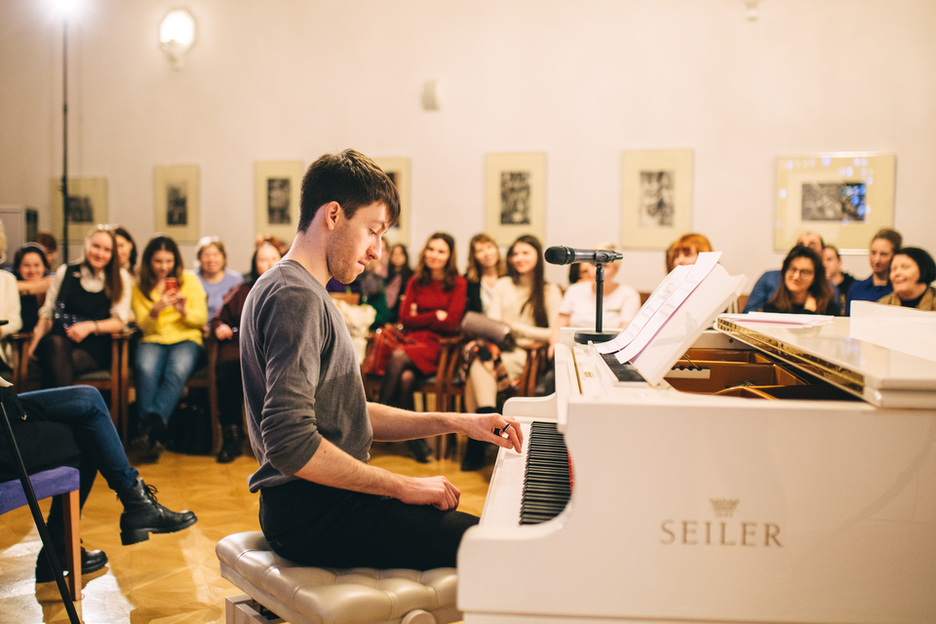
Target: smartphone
{"type": "Point", "coordinates": [172, 286]}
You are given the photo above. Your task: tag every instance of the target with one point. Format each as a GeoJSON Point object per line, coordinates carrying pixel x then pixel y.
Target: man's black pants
{"type": "Point", "coordinates": [321, 526]}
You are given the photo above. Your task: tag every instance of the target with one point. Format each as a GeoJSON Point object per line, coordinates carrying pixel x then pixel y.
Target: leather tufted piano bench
{"type": "Point", "coordinates": [301, 595]}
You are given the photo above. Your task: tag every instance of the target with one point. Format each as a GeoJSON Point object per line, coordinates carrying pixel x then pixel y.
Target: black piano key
{"type": "Point", "coordinates": [546, 488]}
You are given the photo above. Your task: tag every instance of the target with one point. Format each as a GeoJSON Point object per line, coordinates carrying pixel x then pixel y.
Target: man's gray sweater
{"type": "Point", "coordinates": [302, 380]}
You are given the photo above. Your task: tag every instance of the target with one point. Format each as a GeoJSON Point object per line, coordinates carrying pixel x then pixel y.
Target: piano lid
{"type": "Point", "coordinates": [886, 377]}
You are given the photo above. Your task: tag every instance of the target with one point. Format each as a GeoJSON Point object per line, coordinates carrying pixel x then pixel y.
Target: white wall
{"type": "Point", "coordinates": [581, 81]}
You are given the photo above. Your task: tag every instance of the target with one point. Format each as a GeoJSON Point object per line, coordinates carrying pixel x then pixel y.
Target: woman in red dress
{"type": "Point", "coordinates": [431, 309]}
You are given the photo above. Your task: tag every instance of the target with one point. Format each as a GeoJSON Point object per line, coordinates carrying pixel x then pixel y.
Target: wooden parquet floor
{"type": "Point", "coordinates": [170, 579]}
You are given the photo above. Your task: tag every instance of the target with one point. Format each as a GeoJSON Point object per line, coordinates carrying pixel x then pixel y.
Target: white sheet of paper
{"type": "Point", "coordinates": [777, 318]}
{"type": "Point", "coordinates": [670, 283]}
{"type": "Point", "coordinates": [698, 272]}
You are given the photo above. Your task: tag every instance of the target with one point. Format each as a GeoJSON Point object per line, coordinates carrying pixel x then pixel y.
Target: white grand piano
{"type": "Point", "coordinates": [786, 475]}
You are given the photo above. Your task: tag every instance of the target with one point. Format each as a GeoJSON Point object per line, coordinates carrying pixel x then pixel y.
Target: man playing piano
{"type": "Point", "coordinates": [310, 426]}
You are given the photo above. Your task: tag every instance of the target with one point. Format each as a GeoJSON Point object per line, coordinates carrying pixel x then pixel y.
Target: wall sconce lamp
{"type": "Point", "coordinates": [177, 36]}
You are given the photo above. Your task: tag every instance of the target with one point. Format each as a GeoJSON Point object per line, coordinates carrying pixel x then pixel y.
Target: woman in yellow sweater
{"type": "Point", "coordinates": [170, 307]}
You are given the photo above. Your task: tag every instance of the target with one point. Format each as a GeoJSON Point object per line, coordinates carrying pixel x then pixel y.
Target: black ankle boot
{"type": "Point", "coordinates": [148, 439]}
{"type": "Point", "coordinates": [142, 515]}
{"type": "Point", "coordinates": [230, 444]}
{"type": "Point", "coordinates": [420, 449]}
{"type": "Point", "coordinates": [91, 561]}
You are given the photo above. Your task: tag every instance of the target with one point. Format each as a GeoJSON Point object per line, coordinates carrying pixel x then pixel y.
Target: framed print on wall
{"type": "Point", "coordinates": [656, 197]}
{"type": "Point", "coordinates": [845, 197]}
{"type": "Point", "coordinates": [515, 196]}
{"type": "Point", "coordinates": [176, 206]}
{"type": "Point", "coordinates": [87, 206]}
{"type": "Point", "coordinates": [398, 170]}
{"type": "Point", "coordinates": [277, 185]}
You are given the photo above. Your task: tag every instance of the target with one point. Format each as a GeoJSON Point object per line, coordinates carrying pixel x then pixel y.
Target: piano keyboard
{"type": "Point", "coordinates": [547, 483]}
{"type": "Point", "coordinates": [532, 486]}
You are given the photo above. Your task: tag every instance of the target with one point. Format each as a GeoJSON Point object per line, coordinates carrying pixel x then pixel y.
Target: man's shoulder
{"type": "Point", "coordinates": [289, 291]}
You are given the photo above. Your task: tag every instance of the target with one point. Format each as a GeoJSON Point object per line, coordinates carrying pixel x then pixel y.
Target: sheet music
{"type": "Point", "coordinates": [672, 281]}
{"type": "Point", "coordinates": [665, 310]}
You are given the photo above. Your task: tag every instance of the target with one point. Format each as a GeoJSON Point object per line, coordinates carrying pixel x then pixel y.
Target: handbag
{"type": "Point", "coordinates": [475, 325]}
{"type": "Point", "coordinates": [387, 339]}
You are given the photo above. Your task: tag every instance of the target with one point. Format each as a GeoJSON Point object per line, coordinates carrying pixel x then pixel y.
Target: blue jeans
{"type": "Point", "coordinates": [84, 410]}
{"type": "Point", "coordinates": [161, 372]}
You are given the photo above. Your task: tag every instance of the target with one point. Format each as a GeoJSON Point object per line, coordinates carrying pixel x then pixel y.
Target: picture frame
{"type": "Point", "coordinates": [846, 197]}
{"type": "Point", "coordinates": [656, 197]}
{"type": "Point", "coordinates": [176, 192]}
{"type": "Point", "coordinates": [398, 170]}
{"type": "Point", "coordinates": [515, 196]}
{"type": "Point", "coordinates": [87, 199]}
{"type": "Point", "coordinates": [277, 187]}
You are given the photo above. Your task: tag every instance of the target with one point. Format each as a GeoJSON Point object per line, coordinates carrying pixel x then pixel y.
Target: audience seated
{"type": "Point", "coordinates": [86, 302]}
{"type": "Point", "coordinates": [885, 243]}
{"type": "Point", "coordinates": [31, 268]}
{"type": "Point", "coordinates": [126, 250]}
{"type": "Point", "coordinates": [169, 304]}
{"type": "Point", "coordinates": [432, 308]}
{"type": "Point", "coordinates": [277, 242]}
{"type": "Point", "coordinates": [841, 281]}
{"type": "Point", "coordinates": [685, 251]}
{"type": "Point", "coordinates": [47, 240]}
{"type": "Point", "coordinates": [71, 426]}
{"type": "Point", "coordinates": [804, 289]}
{"type": "Point", "coordinates": [225, 327]}
{"type": "Point", "coordinates": [9, 309]}
{"type": "Point", "coordinates": [768, 283]}
{"type": "Point", "coordinates": [398, 276]}
{"type": "Point", "coordinates": [217, 280]}
{"type": "Point", "coordinates": [620, 303]}
{"type": "Point", "coordinates": [372, 286]}
{"type": "Point", "coordinates": [912, 270]}
{"type": "Point", "coordinates": [530, 306]}
{"type": "Point", "coordinates": [485, 267]}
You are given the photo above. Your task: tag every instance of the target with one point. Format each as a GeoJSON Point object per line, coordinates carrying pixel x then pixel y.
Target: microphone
{"type": "Point", "coordinates": [567, 255]}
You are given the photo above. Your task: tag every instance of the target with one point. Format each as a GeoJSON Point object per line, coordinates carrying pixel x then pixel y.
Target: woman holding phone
{"type": "Point", "coordinates": [170, 308]}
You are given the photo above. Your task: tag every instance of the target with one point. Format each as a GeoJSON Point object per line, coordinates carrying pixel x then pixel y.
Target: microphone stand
{"type": "Point", "coordinates": [598, 335]}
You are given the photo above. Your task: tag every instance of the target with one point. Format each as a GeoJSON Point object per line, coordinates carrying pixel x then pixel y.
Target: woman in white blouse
{"type": "Point", "coordinates": [86, 302]}
{"type": "Point", "coordinates": [530, 306]}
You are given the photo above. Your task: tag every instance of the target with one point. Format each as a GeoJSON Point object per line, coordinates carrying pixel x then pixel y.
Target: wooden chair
{"type": "Point", "coordinates": [107, 380]}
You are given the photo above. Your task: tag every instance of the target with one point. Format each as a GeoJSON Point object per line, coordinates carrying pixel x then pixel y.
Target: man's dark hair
{"type": "Point", "coordinates": [349, 178]}
{"type": "Point", "coordinates": [924, 262]}
{"type": "Point", "coordinates": [892, 236]}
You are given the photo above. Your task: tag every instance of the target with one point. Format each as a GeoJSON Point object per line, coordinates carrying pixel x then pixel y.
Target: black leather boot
{"type": "Point", "coordinates": [148, 439]}
{"type": "Point", "coordinates": [142, 515]}
{"type": "Point", "coordinates": [420, 449]}
{"type": "Point", "coordinates": [231, 442]}
{"type": "Point", "coordinates": [91, 561]}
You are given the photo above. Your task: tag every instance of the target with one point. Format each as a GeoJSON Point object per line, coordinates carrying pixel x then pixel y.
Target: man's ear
{"type": "Point", "coordinates": [333, 214]}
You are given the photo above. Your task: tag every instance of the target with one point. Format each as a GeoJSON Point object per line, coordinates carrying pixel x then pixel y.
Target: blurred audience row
{"type": "Point", "coordinates": [73, 310]}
